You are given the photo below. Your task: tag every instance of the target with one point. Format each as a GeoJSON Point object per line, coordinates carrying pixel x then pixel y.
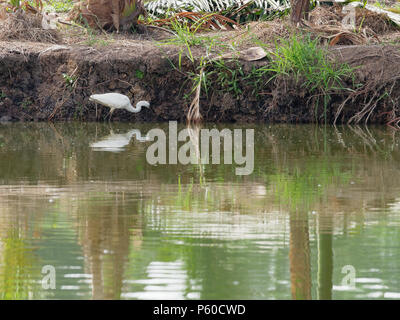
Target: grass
{"type": "Point", "coordinates": [185, 35]}
{"type": "Point", "coordinates": [205, 68]}
{"type": "Point", "coordinates": [93, 38]}
{"type": "Point", "coordinates": [228, 76]}
{"type": "Point", "coordinates": [186, 38]}
{"type": "Point", "coordinates": [139, 74]}
{"type": "Point", "coordinates": [58, 6]}
{"type": "Point", "coordinates": [300, 58]}
{"type": "Point", "coordinates": [305, 60]}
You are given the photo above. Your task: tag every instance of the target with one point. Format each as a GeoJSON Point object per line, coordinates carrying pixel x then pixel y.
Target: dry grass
{"type": "Point", "coordinates": [369, 26]}
{"type": "Point", "coordinates": [26, 26]}
{"type": "Point", "coordinates": [325, 23]}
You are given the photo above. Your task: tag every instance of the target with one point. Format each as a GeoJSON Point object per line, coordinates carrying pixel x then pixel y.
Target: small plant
{"type": "Point", "coordinates": [70, 80]}
{"type": "Point", "coordinates": [185, 34]}
{"type": "Point", "coordinates": [2, 95]}
{"type": "Point", "coordinates": [92, 37]}
{"type": "Point", "coordinates": [33, 5]}
{"type": "Point", "coordinates": [139, 74]}
{"type": "Point", "coordinates": [26, 103]}
{"type": "Point", "coordinates": [227, 76]}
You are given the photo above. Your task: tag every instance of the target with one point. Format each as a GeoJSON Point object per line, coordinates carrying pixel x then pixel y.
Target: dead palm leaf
{"type": "Point", "coordinates": [200, 21]}
{"type": "Point", "coordinates": [238, 10]}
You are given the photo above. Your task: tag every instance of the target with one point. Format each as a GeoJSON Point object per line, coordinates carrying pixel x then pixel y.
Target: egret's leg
{"type": "Point", "coordinates": [108, 114]}
{"type": "Point", "coordinates": [111, 112]}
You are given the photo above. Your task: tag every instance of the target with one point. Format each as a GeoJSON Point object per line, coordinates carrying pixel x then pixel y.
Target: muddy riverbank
{"type": "Point", "coordinates": [41, 82]}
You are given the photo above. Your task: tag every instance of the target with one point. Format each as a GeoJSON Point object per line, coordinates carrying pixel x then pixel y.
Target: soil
{"type": "Point", "coordinates": [44, 81]}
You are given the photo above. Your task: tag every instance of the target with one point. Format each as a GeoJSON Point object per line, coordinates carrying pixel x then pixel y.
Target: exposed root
{"type": "Point", "coordinates": [194, 114]}
{"type": "Point", "coordinates": [371, 94]}
{"type": "Point", "coordinates": [339, 35]}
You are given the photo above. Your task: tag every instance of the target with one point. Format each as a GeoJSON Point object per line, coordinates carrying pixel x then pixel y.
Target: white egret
{"type": "Point", "coordinates": [118, 101]}
{"type": "Point", "coordinates": [117, 142]}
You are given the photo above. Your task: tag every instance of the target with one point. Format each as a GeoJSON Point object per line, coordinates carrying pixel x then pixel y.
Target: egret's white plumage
{"type": "Point", "coordinates": [118, 101]}
{"type": "Point", "coordinates": [117, 142]}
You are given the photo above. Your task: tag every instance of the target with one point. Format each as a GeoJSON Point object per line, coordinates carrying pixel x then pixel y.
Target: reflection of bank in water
{"type": "Point", "coordinates": [295, 170]}
{"type": "Point", "coordinates": [108, 230]}
{"type": "Point", "coordinates": [198, 144]}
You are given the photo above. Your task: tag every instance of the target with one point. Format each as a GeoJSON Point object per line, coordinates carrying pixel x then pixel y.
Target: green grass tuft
{"type": "Point", "coordinates": [308, 62]}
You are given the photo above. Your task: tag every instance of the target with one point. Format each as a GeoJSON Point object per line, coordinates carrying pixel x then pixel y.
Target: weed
{"type": "Point", "coordinates": [26, 103]}
{"type": "Point", "coordinates": [228, 76]}
{"type": "Point", "coordinates": [92, 38]}
{"type": "Point", "coordinates": [139, 74]}
{"type": "Point", "coordinates": [309, 64]}
{"type": "Point", "coordinates": [307, 61]}
{"type": "Point", "coordinates": [70, 80]}
{"type": "Point", "coordinates": [78, 114]}
{"type": "Point", "coordinates": [185, 35]}
{"type": "Point", "coordinates": [184, 198]}
{"type": "Point", "coordinates": [58, 5]}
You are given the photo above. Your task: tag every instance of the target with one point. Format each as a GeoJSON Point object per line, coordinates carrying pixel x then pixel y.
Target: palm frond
{"type": "Point", "coordinates": [234, 9]}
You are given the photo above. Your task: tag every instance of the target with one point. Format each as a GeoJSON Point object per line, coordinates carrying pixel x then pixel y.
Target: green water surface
{"type": "Point", "coordinates": [317, 219]}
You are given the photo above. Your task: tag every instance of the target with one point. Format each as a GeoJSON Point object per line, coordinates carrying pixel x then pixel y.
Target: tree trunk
{"type": "Point", "coordinates": [299, 257]}
{"type": "Point", "coordinates": [300, 10]}
{"type": "Point", "coordinates": [120, 14]}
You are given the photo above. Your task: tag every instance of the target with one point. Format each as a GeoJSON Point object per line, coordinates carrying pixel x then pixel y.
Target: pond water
{"type": "Point", "coordinates": [318, 218]}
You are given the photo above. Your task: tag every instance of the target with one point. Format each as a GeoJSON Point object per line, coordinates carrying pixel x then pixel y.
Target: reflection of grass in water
{"type": "Point", "coordinates": [17, 270]}
{"type": "Point", "coordinates": [305, 187]}
{"type": "Point", "coordinates": [184, 198]}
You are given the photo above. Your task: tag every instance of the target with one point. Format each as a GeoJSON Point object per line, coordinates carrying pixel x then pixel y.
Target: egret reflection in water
{"type": "Point", "coordinates": [116, 142]}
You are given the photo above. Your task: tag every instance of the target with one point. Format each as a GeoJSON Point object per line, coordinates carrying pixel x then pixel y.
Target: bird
{"type": "Point", "coordinates": [117, 142]}
{"type": "Point", "coordinates": [118, 101]}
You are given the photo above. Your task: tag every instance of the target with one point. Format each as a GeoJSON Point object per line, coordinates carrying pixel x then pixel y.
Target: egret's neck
{"type": "Point", "coordinates": [134, 132]}
{"type": "Point", "coordinates": [140, 105]}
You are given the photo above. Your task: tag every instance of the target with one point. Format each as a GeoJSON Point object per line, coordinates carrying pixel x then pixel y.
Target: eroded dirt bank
{"type": "Point", "coordinates": [40, 82]}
